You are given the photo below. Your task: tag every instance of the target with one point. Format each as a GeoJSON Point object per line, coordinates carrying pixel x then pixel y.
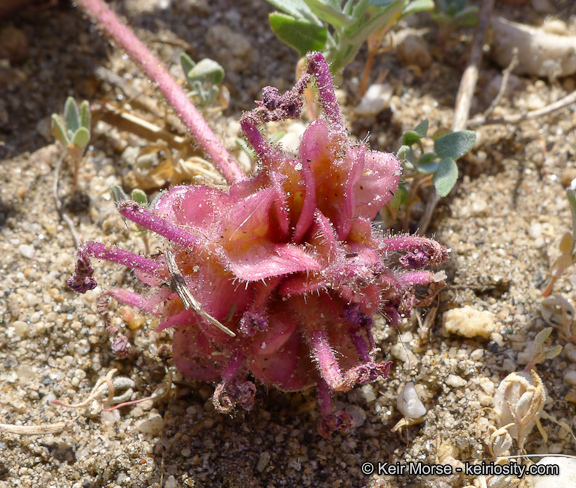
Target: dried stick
{"type": "Point", "coordinates": [42, 429]}
{"type": "Point", "coordinates": [464, 96]}
{"type": "Point", "coordinates": [173, 93]}
{"type": "Point", "coordinates": [470, 76]}
{"type": "Point", "coordinates": [534, 114]}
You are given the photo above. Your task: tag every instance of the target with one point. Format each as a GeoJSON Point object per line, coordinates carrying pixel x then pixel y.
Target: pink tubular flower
{"type": "Point", "coordinates": [283, 272]}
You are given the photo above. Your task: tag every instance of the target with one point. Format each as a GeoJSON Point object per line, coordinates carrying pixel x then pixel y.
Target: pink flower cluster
{"type": "Point", "coordinates": [285, 270]}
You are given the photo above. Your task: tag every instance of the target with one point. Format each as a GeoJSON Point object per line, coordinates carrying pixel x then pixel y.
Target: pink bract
{"type": "Point", "coordinates": [288, 261]}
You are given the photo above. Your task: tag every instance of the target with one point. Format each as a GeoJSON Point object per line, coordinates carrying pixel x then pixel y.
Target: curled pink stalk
{"type": "Point", "coordinates": [174, 95]}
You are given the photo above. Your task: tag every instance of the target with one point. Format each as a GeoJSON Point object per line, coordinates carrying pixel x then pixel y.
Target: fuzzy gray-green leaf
{"type": "Point", "coordinates": [81, 137]}
{"type": "Point", "coordinates": [139, 197]}
{"type": "Point", "coordinates": [85, 114]}
{"type": "Point", "coordinates": [118, 193]}
{"type": "Point", "coordinates": [58, 130]}
{"type": "Point", "coordinates": [454, 144]}
{"type": "Point", "coordinates": [71, 116]}
{"type": "Point", "coordinates": [445, 177]}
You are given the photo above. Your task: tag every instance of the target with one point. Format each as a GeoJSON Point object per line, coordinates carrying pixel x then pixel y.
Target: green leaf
{"type": "Point", "coordinates": [187, 64]}
{"type": "Point", "coordinates": [427, 158]}
{"type": "Point", "coordinates": [410, 137]}
{"type": "Point", "coordinates": [445, 177]}
{"type": "Point", "coordinates": [302, 35]}
{"type": "Point", "coordinates": [118, 193]}
{"type": "Point", "coordinates": [139, 197]}
{"type": "Point", "coordinates": [328, 13]}
{"type": "Point", "coordinates": [85, 115]}
{"type": "Point", "coordinates": [71, 116]}
{"type": "Point", "coordinates": [417, 6]}
{"type": "Point", "coordinates": [295, 8]}
{"type": "Point", "coordinates": [422, 128]}
{"type": "Point", "coordinates": [400, 197]}
{"type": "Point", "coordinates": [380, 3]}
{"type": "Point", "coordinates": [552, 352]}
{"type": "Point", "coordinates": [406, 155]}
{"type": "Point", "coordinates": [455, 144]}
{"type": "Point", "coordinates": [58, 130]}
{"type": "Point", "coordinates": [81, 137]}
{"type": "Point", "coordinates": [428, 167]}
{"type": "Point", "coordinates": [207, 69]}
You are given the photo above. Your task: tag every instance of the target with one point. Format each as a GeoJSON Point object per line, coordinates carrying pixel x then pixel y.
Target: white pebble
{"type": "Point", "coordinates": [171, 482]}
{"type": "Point", "coordinates": [409, 403]}
{"type": "Point", "coordinates": [153, 425]}
{"type": "Point", "coordinates": [469, 322]}
{"type": "Point", "coordinates": [21, 328]}
{"type": "Point", "coordinates": [455, 381]}
{"type": "Point", "coordinates": [477, 354]}
{"type": "Point", "coordinates": [570, 378]}
{"type": "Point", "coordinates": [376, 98]}
{"type": "Point", "coordinates": [567, 477]}
{"type": "Point", "coordinates": [26, 250]}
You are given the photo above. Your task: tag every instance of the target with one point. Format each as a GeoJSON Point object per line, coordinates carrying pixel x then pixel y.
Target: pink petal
{"type": "Point", "coordinates": [378, 183]}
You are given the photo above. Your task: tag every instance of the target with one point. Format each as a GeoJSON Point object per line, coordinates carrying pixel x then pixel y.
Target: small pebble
{"type": "Point", "coordinates": [570, 378]}
{"type": "Point", "coordinates": [567, 477]}
{"type": "Point", "coordinates": [26, 250]}
{"type": "Point", "coordinates": [376, 99]}
{"type": "Point", "coordinates": [153, 425]}
{"type": "Point", "coordinates": [171, 482]}
{"type": "Point", "coordinates": [469, 322]}
{"type": "Point", "coordinates": [455, 381]}
{"type": "Point", "coordinates": [409, 403]}
{"type": "Point", "coordinates": [263, 461]}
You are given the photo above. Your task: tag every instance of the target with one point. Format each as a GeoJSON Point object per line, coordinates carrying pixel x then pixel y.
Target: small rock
{"type": "Point", "coordinates": [409, 402]}
{"type": "Point", "coordinates": [263, 461]}
{"type": "Point", "coordinates": [171, 482]}
{"type": "Point", "coordinates": [570, 378]}
{"type": "Point", "coordinates": [413, 50]}
{"type": "Point", "coordinates": [376, 99]}
{"type": "Point", "coordinates": [567, 175]}
{"type": "Point", "coordinates": [153, 425]}
{"type": "Point", "coordinates": [567, 476]}
{"type": "Point", "coordinates": [455, 381]}
{"type": "Point", "coordinates": [21, 328]}
{"type": "Point", "coordinates": [469, 322]}
{"type": "Point", "coordinates": [26, 250]}
{"type": "Point", "coordinates": [14, 45]}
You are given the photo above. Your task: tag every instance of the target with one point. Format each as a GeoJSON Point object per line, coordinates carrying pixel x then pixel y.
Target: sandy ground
{"type": "Point", "coordinates": [502, 223]}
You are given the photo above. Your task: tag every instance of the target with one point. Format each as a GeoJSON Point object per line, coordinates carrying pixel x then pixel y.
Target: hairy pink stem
{"type": "Point", "coordinates": [120, 256]}
{"type": "Point", "coordinates": [319, 68]}
{"type": "Point", "coordinates": [327, 363]}
{"type": "Point", "coordinates": [130, 298]}
{"type": "Point", "coordinates": [174, 95]}
{"type": "Point", "coordinates": [138, 214]}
